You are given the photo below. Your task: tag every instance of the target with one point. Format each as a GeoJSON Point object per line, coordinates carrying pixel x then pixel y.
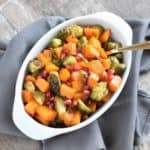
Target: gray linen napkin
{"type": "Point", "coordinates": [127, 121]}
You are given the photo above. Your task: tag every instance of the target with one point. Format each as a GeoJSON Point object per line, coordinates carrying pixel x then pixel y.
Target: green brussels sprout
{"type": "Point", "coordinates": [83, 41]}
{"type": "Point", "coordinates": [119, 68]}
{"type": "Point", "coordinates": [57, 62]}
{"type": "Point", "coordinates": [99, 27]}
{"type": "Point", "coordinates": [112, 45]}
{"type": "Point", "coordinates": [35, 66]}
{"type": "Point", "coordinates": [119, 56]}
{"type": "Point", "coordinates": [84, 74]}
{"type": "Point", "coordinates": [99, 91]}
{"type": "Point", "coordinates": [39, 97]}
{"type": "Point", "coordinates": [29, 86]}
{"type": "Point", "coordinates": [69, 60]}
{"type": "Point", "coordinates": [75, 30]}
{"type": "Point", "coordinates": [61, 35]}
{"type": "Point", "coordinates": [59, 105]}
{"type": "Point", "coordinates": [55, 42]}
{"type": "Point", "coordinates": [83, 107]}
{"type": "Point", "coordinates": [54, 81]}
{"type": "Point", "coordinates": [114, 61]}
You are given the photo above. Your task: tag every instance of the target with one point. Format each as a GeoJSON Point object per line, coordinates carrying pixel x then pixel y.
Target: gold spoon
{"type": "Point", "coordinates": [137, 46]}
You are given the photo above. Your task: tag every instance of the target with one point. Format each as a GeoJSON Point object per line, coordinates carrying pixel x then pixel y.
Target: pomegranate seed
{"type": "Point", "coordinates": [78, 49]}
{"type": "Point", "coordinates": [75, 103]}
{"type": "Point", "coordinates": [69, 67]}
{"type": "Point", "coordinates": [86, 87]}
{"type": "Point", "coordinates": [85, 69]}
{"type": "Point", "coordinates": [63, 55]}
{"type": "Point", "coordinates": [78, 58]}
{"type": "Point", "coordinates": [76, 68]}
{"type": "Point", "coordinates": [68, 102]}
{"type": "Point", "coordinates": [65, 51]}
{"type": "Point", "coordinates": [86, 92]}
{"type": "Point", "coordinates": [89, 102]}
{"type": "Point", "coordinates": [110, 75]}
{"type": "Point", "coordinates": [51, 99]}
{"type": "Point", "coordinates": [48, 94]}
{"type": "Point", "coordinates": [44, 74]}
{"type": "Point", "coordinates": [111, 71]}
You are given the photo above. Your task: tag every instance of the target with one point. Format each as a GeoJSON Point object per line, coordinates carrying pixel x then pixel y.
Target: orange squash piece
{"type": "Point", "coordinates": [72, 39]}
{"type": "Point", "coordinates": [31, 107]}
{"type": "Point", "coordinates": [102, 52]}
{"type": "Point", "coordinates": [71, 48]}
{"type": "Point", "coordinates": [42, 85]}
{"type": "Point", "coordinates": [107, 97]}
{"type": "Point", "coordinates": [27, 96]}
{"type": "Point", "coordinates": [48, 54]}
{"type": "Point", "coordinates": [94, 42]}
{"type": "Point", "coordinates": [66, 118]}
{"type": "Point", "coordinates": [45, 115]}
{"type": "Point", "coordinates": [92, 80]}
{"type": "Point", "coordinates": [64, 74]}
{"type": "Point", "coordinates": [76, 118]}
{"type": "Point", "coordinates": [92, 106]}
{"type": "Point", "coordinates": [58, 51]}
{"type": "Point", "coordinates": [77, 76]}
{"type": "Point", "coordinates": [96, 66]}
{"type": "Point", "coordinates": [90, 52]}
{"type": "Point", "coordinates": [51, 67]}
{"type": "Point", "coordinates": [78, 95]}
{"type": "Point", "coordinates": [115, 83]}
{"type": "Point", "coordinates": [67, 91]}
{"type": "Point", "coordinates": [44, 60]}
{"type": "Point", "coordinates": [89, 32]}
{"type": "Point", "coordinates": [105, 35]}
{"type": "Point", "coordinates": [30, 78]}
{"type": "Point", "coordinates": [77, 85]}
{"type": "Point", "coordinates": [106, 63]}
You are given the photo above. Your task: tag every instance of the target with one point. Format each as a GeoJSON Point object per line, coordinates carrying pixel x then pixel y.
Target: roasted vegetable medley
{"type": "Point", "coordinates": [73, 77]}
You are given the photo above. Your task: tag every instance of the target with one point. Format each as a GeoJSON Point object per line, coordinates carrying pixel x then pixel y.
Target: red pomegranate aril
{"type": "Point", "coordinates": [48, 94]}
{"type": "Point", "coordinates": [111, 71]}
{"type": "Point", "coordinates": [51, 99]}
{"type": "Point", "coordinates": [86, 87]}
{"type": "Point", "coordinates": [75, 103]}
{"type": "Point", "coordinates": [69, 67]}
{"type": "Point", "coordinates": [86, 92]}
{"type": "Point", "coordinates": [110, 75]}
{"type": "Point", "coordinates": [76, 68]}
{"type": "Point", "coordinates": [78, 49]}
{"type": "Point", "coordinates": [63, 55]}
{"type": "Point", "coordinates": [78, 58]}
{"type": "Point", "coordinates": [68, 102]}
{"type": "Point", "coordinates": [65, 51]}
{"type": "Point", "coordinates": [85, 69]}
{"type": "Point", "coordinates": [44, 74]}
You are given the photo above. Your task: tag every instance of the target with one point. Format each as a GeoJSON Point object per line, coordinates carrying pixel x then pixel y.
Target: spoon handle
{"type": "Point", "coordinates": [138, 46]}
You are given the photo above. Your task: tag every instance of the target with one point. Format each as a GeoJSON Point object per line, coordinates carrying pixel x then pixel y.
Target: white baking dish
{"type": "Point", "coordinates": [121, 31]}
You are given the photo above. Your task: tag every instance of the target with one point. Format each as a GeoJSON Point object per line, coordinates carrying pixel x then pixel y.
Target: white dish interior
{"type": "Point", "coordinates": [121, 32]}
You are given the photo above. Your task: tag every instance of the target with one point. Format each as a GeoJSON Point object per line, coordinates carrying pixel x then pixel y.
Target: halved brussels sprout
{"type": "Point", "coordinates": [54, 81]}
{"type": "Point", "coordinates": [59, 105]}
{"type": "Point", "coordinates": [29, 86]}
{"type": "Point", "coordinates": [34, 66]}
{"type": "Point", "coordinates": [39, 97]}
{"type": "Point", "coordinates": [99, 91]}
{"type": "Point", "coordinates": [83, 41]}
{"type": "Point", "coordinates": [112, 45]}
{"type": "Point", "coordinates": [69, 60]}
{"type": "Point", "coordinates": [55, 42]}
{"type": "Point", "coordinates": [75, 30]}
{"type": "Point", "coordinates": [83, 107]}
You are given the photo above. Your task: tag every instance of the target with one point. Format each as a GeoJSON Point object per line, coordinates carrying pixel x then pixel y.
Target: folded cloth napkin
{"type": "Point", "coordinates": [126, 123]}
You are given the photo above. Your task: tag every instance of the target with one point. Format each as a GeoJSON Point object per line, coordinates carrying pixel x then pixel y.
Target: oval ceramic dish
{"type": "Point", "coordinates": [121, 32]}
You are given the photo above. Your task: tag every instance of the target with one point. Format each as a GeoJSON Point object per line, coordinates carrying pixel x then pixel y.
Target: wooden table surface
{"type": "Point", "coordinates": [15, 14]}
